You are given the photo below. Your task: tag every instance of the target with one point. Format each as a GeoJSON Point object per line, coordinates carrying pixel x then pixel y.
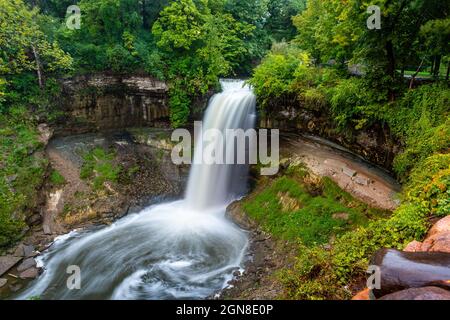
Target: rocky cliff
{"type": "Point", "coordinates": [103, 101]}
{"type": "Point", "coordinates": [375, 143]}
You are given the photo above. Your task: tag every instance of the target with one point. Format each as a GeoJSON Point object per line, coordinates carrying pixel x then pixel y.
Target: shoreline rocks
{"type": "Point", "coordinates": [420, 272]}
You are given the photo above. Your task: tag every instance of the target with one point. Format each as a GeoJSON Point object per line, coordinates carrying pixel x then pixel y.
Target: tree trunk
{"type": "Point", "coordinates": [413, 77]}
{"type": "Point", "coordinates": [38, 67]}
{"type": "Point", "coordinates": [437, 66]}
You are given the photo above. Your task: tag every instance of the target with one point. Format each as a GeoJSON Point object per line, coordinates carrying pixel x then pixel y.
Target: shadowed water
{"type": "Point", "coordinates": [180, 250]}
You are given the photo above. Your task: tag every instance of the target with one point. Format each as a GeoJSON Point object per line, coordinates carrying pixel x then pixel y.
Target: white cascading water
{"type": "Point", "coordinates": [185, 249]}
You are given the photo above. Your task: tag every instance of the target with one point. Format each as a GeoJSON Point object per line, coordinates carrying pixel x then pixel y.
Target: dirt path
{"type": "Point", "coordinates": [364, 181]}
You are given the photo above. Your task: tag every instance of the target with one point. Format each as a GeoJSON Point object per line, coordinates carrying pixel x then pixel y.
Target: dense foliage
{"type": "Point", "coordinates": [362, 77]}
{"type": "Point", "coordinates": [322, 58]}
{"type": "Point", "coordinates": [189, 43]}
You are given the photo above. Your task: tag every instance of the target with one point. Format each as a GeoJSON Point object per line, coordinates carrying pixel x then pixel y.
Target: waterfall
{"type": "Point", "coordinates": [212, 185]}
{"type": "Point", "coordinates": [185, 249]}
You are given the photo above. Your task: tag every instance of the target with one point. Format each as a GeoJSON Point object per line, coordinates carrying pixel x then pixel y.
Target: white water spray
{"type": "Point", "coordinates": [181, 250]}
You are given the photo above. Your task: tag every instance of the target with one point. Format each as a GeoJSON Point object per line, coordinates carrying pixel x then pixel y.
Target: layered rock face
{"type": "Point", "coordinates": [375, 143]}
{"type": "Point", "coordinates": [102, 101]}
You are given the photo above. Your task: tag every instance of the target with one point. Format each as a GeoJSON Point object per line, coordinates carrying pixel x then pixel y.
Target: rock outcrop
{"type": "Point", "coordinates": [401, 270]}
{"type": "Point", "coordinates": [420, 272]}
{"type": "Point", "coordinates": [104, 101]}
{"type": "Point", "coordinates": [374, 143]}
{"type": "Point", "coordinates": [425, 293]}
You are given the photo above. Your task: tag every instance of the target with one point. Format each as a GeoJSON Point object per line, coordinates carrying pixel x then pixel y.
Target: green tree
{"type": "Point", "coordinates": [23, 45]}
{"type": "Point", "coordinates": [199, 42]}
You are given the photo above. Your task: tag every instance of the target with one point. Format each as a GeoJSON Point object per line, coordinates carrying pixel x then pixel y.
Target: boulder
{"type": "Point", "coordinates": [3, 282]}
{"type": "Point", "coordinates": [442, 225]}
{"type": "Point", "coordinates": [362, 295]}
{"type": "Point", "coordinates": [349, 172]}
{"type": "Point", "coordinates": [26, 264]}
{"type": "Point", "coordinates": [438, 242]}
{"type": "Point", "coordinates": [414, 246]}
{"type": "Point", "coordinates": [45, 133]}
{"type": "Point", "coordinates": [24, 250]}
{"type": "Point", "coordinates": [235, 213]}
{"type": "Point", "coordinates": [30, 273]}
{"type": "Point", "coordinates": [403, 270]}
{"type": "Point", "coordinates": [361, 180]}
{"type": "Point", "coordinates": [7, 262]}
{"type": "Point", "coordinates": [424, 293]}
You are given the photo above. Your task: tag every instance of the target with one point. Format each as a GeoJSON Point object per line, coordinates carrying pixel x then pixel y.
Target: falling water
{"type": "Point", "coordinates": [185, 249]}
{"type": "Point", "coordinates": [215, 184]}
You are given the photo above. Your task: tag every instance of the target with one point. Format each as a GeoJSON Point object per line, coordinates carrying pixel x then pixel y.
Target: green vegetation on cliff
{"type": "Point", "coordinates": [313, 72]}
{"type": "Point", "coordinates": [22, 171]}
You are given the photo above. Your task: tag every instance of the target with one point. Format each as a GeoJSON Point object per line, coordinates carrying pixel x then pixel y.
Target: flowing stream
{"type": "Point", "coordinates": [185, 249]}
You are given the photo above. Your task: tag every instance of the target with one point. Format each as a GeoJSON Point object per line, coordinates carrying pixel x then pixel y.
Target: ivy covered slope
{"type": "Point", "coordinates": [312, 72]}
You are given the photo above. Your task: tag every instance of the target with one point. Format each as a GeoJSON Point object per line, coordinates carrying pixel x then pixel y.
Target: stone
{"type": "Point", "coordinates": [340, 216]}
{"type": "Point", "coordinates": [361, 180]}
{"type": "Point", "coordinates": [45, 133]}
{"type": "Point", "coordinates": [348, 172]}
{"type": "Point", "coordinates": [424, 293]}
{"type": "Point", "coordinates": [439, 242]}
{"type": "Point", "coordinates": [3, 282]}
{"type": "Point", "coordinates": [47, 229]}
{"type": "Point", "coordinates": [442, 225]}
{"type": "Point", "coordinates": [401, 270]}
{"type": "Point", "coordinates": [413, 246]}
{"type": "Point", "coordinates": [35, 219]}
{"type": "Point", "coordinates": [362, 295]}
{"type": "Point", "coordinates": [7, 262]}
{"type": "Point", "coordinates": [30, 273]}
{"type": "Point", "coordinates": [235, 213]}
{"type": "Point", "coordinates": [26, 264]}
{"type": "Point", "coordinates": [28, 250]}
{"type": "Point", "coordinates": [24, 250]}
{"type": "Point", "coordinates": [19, 252]}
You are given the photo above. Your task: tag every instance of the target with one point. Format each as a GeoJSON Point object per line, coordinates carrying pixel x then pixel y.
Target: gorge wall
{"type": "Point", "coordinates": [375, 143]}
{"type": "Point", "coordinates": [103, 101]}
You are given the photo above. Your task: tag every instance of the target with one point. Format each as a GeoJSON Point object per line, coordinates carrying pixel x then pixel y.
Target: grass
{"type": "Point", "coordinates": [99, 167]}
{"type": "Point", "coordinates": [308, 209]}
{"type": "Point", "coordinates": [334, 233]}
{"type": "Point", "coordinates": [57, 179]}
